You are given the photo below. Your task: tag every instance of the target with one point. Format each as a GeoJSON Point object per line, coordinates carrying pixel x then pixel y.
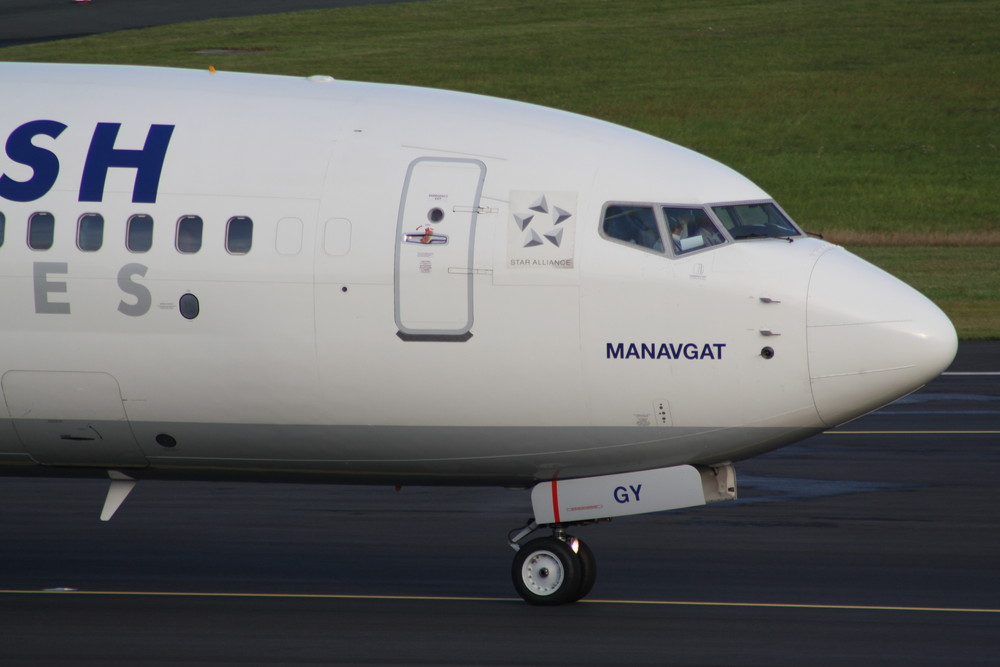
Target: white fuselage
{"type": "Point", "coordinates": [428, 294]}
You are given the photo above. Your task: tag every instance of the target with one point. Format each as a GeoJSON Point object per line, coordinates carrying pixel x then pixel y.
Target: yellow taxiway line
{"type": "Point", "coordinates": [454, 598]}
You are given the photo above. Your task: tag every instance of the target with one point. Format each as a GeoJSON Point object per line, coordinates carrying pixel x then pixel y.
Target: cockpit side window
{"type": "Point", "coordinates": [633, 224]}
{"type": "Point", "coordinates": [691, 229]}
{"type": "Point", "coordinates": [755, 221]}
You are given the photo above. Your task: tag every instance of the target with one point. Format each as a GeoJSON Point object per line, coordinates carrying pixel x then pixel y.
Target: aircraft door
{"type": "Point", "coordinates": [66, 418]}
{"type": "Point", "coordinates": [435, 236]}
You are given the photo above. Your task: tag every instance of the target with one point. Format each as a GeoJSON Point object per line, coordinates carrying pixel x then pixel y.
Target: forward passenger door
{"type": "Point", "coordinates": [435, 235]}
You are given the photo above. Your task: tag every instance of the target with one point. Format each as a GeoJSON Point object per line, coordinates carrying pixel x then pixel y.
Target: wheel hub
{"type": "Point", "coordinates": [542, 573]}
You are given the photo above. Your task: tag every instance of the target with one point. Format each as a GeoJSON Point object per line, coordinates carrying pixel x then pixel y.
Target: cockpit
{"type": "Point", "coordinates": [675, 231]}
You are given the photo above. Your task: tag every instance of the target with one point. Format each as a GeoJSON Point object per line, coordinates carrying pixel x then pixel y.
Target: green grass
{"type": "Point", "coordinates": [854, 114]}
{"type": "Point", "coordinates": [874, 120]}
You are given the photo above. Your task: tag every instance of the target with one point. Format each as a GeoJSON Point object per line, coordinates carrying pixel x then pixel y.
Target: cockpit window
{"type": "Point", "coordinates": [633, 224]}
{"type": "Point", "coordinates": [755, 221]}
{"type": "Point", "coordinates": [691, 229]}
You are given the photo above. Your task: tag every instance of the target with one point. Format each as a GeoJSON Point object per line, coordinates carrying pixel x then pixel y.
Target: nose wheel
{"type": "Point", "coordinates": [554, 570]}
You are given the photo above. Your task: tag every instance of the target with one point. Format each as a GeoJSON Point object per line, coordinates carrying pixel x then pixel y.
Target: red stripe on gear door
{"type": "Point", "coordinates": [555, 501]}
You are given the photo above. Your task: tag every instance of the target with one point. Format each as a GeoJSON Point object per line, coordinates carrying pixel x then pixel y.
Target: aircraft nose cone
{"type": "Point", "coordinates": [871, 338]}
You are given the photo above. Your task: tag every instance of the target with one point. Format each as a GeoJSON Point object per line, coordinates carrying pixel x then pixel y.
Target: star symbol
{"type": "Point", "coordinates": [539, 229]}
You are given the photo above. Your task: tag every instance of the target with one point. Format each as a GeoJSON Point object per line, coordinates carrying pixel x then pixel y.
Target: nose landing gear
{"type": "Point", "coordinates": [552, 570]}
{"type": "Point", "coordinates": [560, 569]}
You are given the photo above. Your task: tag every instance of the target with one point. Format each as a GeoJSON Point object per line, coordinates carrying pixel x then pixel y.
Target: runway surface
{"type": "Point", "coordinates": [877, 543]}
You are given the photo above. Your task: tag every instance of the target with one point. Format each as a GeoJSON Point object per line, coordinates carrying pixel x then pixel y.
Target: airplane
{"type": "Point", "coordinates": [222, 276]}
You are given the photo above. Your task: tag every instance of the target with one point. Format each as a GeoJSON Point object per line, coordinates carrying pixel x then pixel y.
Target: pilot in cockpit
{"type": "Point", "coordinates": [692, 229]}
{"type": "Point", "coordinates": [679, 230]}
{"type": "Point", "coordinates": [707, 231]}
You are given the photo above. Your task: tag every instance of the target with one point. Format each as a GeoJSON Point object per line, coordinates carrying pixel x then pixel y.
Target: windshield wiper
{"type": "Point", "coordinates": [758, 235]}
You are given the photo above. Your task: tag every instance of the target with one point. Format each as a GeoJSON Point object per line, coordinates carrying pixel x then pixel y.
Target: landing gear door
{"type": "Point", "coordinates": [435, 234]}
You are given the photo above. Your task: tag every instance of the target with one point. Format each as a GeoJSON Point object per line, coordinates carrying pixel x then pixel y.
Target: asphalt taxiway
{"type": "Point", "coordinates": [876, 543]}
{"type": "Point", "coordinates": [25, 21]}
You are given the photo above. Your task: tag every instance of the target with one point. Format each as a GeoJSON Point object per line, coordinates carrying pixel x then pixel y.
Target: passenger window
{"type": "Point", "coordinates": [3, 227]}
{"type": "Point", "coordinates": [41, 231]}
{"type": "Point", "coordinates": [239, 235]}
{"type": "Point", "coordinates": [90, 232]}
{"type": "Point", "coordinates": [139, 234]}
{"type": "Point", "coordinates": [633, 224]}
{"type": "Point", "coordinates": [189, 234]}
{"type": "Point", "coordinates": [691, 229]}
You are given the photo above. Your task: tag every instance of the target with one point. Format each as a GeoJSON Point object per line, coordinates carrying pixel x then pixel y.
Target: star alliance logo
{"type": "Point", "coordinates": [543, 229]}
{"type": "Point", "coordinates": [549, 226]}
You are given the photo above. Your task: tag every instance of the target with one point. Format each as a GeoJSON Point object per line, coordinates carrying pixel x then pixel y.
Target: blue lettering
{"type": "Point", "coordinates": [635, 491]}
{"type": "Point", "coordinates": [693, 351]}
{"type": "Point", "coordinates": [148, 162]}
{"type": "Point", "coordinates": [621, 495]}
{"type": "Point", "coordinates": [43, 163]}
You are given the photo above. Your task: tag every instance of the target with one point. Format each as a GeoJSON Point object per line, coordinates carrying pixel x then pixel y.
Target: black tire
{"type": "Point", "coordinates": [547, 572]}
{"type": "Point", "coordinates": [588, 570]}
